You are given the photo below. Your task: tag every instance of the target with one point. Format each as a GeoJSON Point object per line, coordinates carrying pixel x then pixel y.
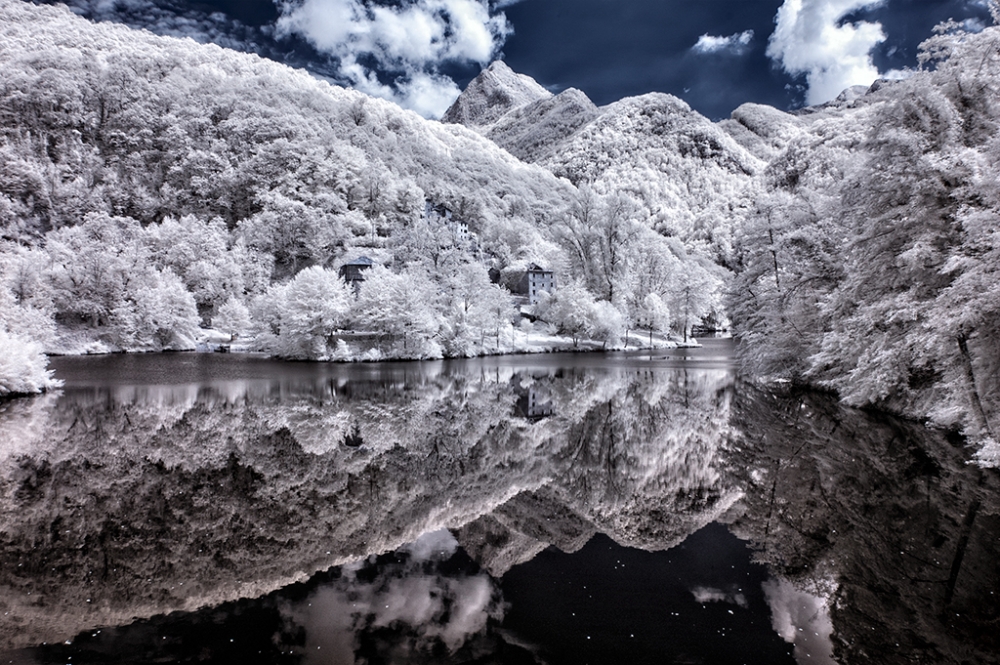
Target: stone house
{"type": "Point", "coordinates": [535, 280]}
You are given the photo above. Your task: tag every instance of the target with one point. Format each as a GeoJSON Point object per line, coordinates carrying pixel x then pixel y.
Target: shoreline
{"type": "Point", "coordinates": [212, 341]}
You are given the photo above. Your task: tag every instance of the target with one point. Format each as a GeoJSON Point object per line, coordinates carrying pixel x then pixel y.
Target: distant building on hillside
{"type": "Point", "coordinates": [432, 209]}
{"type": "Point", "coordinates": [536, 279]}
{"type": "Point", "coordinates": [459, 228]}
{"type": "Point", "coordinates": [353, 272]}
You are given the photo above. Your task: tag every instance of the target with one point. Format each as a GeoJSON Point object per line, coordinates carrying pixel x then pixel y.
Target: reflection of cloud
{"type": "Point", "coordinates": [737, 44]}
{"type": "Point", "coordinates": [809, 39]}
{"type": "Point", "coordinates": [413, 610]}
{"type": "Point", "coordinates": [406, 42]}
{"type": "Point", "coordinates": [801, 619]}
{"type": "Point", "coordinates": [709, 595]}
{"type": "Point", "coordinates": [433, 545]}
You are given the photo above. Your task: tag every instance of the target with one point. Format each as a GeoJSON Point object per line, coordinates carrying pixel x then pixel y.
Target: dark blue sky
{"type": "Point", "coordinates": [612, 50]}
{"type": "Point", "coordinates": [607, 48]}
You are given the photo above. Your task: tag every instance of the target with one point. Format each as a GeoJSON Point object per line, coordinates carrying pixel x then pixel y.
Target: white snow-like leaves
{"type": "Point", "coordinates": [869, 266]}
{"type": "Point", "coordinates": [158, 182]}
{"type": "Point", "coordinates": [23, 366]}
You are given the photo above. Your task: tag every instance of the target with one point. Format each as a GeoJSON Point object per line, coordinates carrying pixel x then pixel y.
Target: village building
{"type": "Point", "coordinates": [353, 272]}
{"type": "Point", "coordinates": [535, 280]}
{"type": "Point", "coordinates": [459, 228]}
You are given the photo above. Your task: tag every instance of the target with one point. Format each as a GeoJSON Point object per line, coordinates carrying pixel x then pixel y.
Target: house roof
{"type": "Point", "coordinates": [360, 261]}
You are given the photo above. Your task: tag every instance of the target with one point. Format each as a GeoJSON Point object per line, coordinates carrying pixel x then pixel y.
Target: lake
{"type": "Point", "coordinates": [560, 508]}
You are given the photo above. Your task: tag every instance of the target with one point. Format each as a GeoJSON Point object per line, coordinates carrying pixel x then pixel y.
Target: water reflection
{"type": "Point", "coordinates": [801, 617]}
{"type": "Point", "coordinates": [219, 482]}
{"type": "Point", "coordinates": [401, 611]}
{"type": "Point", "coordinates": [882, 524]}
{"type": "Point", "coordinates": [123, 501]}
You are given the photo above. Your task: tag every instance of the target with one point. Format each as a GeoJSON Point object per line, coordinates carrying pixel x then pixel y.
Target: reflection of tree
{"type": "Point", "coordinates": [890, 511]}
{"type": "Point", "coordinates": [145, 501]}
{"type": "Point", "coordinates": [638, 462]}
{"type": "Point", "coordinates": [144, 506]}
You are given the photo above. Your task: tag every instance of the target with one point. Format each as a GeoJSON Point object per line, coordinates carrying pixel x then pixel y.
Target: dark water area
{"type": "Point", "coordinates": [562, 508]}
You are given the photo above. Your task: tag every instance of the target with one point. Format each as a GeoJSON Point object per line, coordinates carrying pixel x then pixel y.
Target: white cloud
{"type": "Point", "coordinates": [974, 25]}
{"type": "Point", "coordinates": [809, 40]}
{"type": "Point", "coordinates": [407, 42]}
{"type": "Point", "coordinates": [897, 74]}
{"type": "Point", "coordinates": [737, 44]}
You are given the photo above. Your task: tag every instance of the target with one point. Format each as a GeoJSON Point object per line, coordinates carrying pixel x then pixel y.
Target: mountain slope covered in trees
{"type": "Point", "coordinates": [869, 261]}
{"type": "Point", "coordinates": [691, 177]}
{"type": "Point", "coordinates": [151, 185]}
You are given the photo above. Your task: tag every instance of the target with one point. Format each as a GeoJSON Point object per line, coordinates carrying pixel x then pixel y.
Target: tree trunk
{"type": "Point", "coordinates": [960, 548]}
{"type": "Point", "coordinates": [976, 404]}
{"type": "Point", "coordinates": [774, 258]}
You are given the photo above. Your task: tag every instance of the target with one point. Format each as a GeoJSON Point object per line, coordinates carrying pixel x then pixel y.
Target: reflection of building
{"type": "Point", "coordinates": [536, 279]}
{"type": "Point", "coordinates": [353, 271]}
{"type": "Point", "coordinates": [533, 401]}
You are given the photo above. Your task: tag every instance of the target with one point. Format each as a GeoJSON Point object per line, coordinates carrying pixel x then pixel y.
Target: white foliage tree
{"type": "Point", "coordinates": [570, 309]}
{"type": "Point", "coordinates": [653, 316]}
{"type": "Point", "coordinates": [232, 317]}
{"type": "Point", "coordinates": [23, 366]}
{"type": "Point", "coordinates": [197, 251]}
{"type": "Point", "coordinates": [93, 265]}
{"type": "Point", "coordinates": [478, 312]}
{"type": "Point", "coordinates": [158, 314]}
{"type": "Point", "coordinates": [401, 306]}
{"type": "Point", "coordinates": [608, 325]}
{"type": "Point", "coordinates": [302, 315]}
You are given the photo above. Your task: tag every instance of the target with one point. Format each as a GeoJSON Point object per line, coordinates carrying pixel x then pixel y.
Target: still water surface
{"type": "Point", "coordinates": [541, 509]}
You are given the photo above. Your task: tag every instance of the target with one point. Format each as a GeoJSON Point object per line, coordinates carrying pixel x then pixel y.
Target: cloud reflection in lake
{"type": "Point", "coordinates": [124, 502]}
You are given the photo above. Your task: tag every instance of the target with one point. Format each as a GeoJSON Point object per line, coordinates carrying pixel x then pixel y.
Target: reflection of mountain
{"type": "Point", "coordinates": [638, 460]}
{"type": "Point", "coordinates": [884, 515]}
{"type": "Point", "coordinates": [132, 502]}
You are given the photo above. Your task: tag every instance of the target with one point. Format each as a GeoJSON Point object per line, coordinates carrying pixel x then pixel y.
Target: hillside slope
{"type": "Point", "coordinates": [691, 175]}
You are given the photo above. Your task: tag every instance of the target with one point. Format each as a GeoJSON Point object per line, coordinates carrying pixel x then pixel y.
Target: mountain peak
{"type": "Point", "coordinates": [497, 90]}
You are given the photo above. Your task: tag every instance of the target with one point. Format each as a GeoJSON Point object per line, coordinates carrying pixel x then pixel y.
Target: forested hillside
{"type": "Point", "coordinates": [151, 186]}
{"type": "Point", "coordinates": [870, 261]}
